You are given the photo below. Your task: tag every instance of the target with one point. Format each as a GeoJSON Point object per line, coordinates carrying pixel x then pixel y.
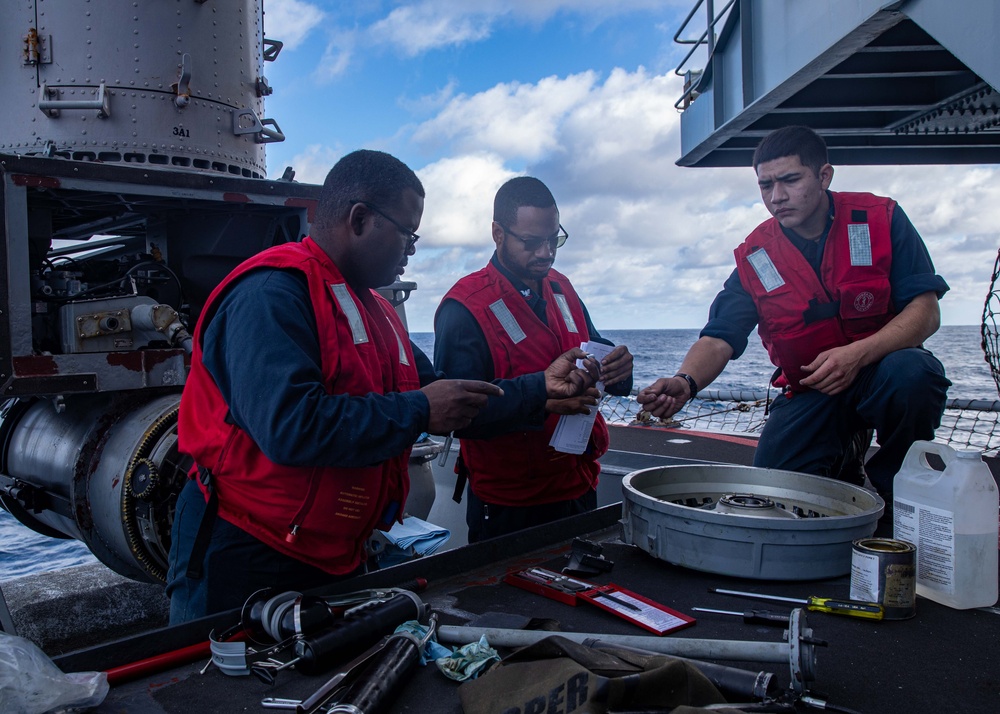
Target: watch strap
{"type": "Point", "coordinates": [692, 385]}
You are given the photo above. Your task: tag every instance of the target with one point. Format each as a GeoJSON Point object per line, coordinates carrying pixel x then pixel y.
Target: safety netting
{"type": "Point", "coordinates": [966, 423]}
{"type": "Point", "coordinates": [990, 328]}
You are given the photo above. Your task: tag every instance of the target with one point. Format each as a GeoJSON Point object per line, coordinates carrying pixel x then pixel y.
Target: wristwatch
{"type": "Point", "coordinates": [692, 385]}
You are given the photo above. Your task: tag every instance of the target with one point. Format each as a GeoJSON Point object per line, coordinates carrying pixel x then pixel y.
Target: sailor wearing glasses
{"type": "Point", "coordinates": [508, 319]}
{"type": "Point", "coordinates": [305, 396]}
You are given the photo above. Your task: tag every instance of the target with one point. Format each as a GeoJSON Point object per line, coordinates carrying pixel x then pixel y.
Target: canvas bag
{"type": "Point", "coordinates": [559, 676]}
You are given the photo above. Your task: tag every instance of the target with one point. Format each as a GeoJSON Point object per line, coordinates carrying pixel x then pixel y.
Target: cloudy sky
{"type": "Point", "coordinates": [579, 93]}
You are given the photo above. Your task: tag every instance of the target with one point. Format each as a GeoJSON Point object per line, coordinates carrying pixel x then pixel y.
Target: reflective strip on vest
{"type": "Point", "coordinates": [564, 309]}
{"type": "Point", "coordinates": [860, 242]}
{"type": "Point", "coordinates": [762, 264]}
{"type": "Point", "coordinates": [350, 310]}
{"type": "Point", "coordinates": [507, 321]}
{"type": "Point", "coordinates": [403, 359]}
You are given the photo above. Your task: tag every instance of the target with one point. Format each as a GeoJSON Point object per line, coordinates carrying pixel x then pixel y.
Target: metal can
{"type": "Point", "coordinates": [883, 570]}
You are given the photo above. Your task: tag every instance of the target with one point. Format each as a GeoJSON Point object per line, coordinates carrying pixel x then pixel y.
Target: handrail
{"type": "Point", "coordinates": [707, 38]}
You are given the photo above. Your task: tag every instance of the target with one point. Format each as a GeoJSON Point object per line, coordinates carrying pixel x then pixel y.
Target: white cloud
{"type": "Point", "coordinates": [643, 233]}
{"type": "Point", "coordinates": [417, 27]}
{"type": "Point", "coordinates": [458, 209]}
{"type": "Point", "coordinates": [430, 102]}
{"type": "Point", "coordinates": [511, 119]}
{"type": "Point", "coordinates": [313, 164]}
{"type": "Point", "coordinates": [650, 243]}
{"type": "Point", "coordinates": [291, 20]}
{"type": "Point", "coordinates": [413, 29]}
{"type": "Point", "coordinates": [336, 57]}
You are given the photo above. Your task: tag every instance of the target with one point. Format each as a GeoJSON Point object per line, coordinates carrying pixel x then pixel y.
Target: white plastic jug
{"type": "Point", "coordinates": [951, 517]}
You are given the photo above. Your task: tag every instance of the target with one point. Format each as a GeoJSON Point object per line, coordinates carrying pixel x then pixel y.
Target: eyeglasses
{"type": "Point", "coordinates": [411, 237]}
{"type": "Point", "coordinates": [533, 243]}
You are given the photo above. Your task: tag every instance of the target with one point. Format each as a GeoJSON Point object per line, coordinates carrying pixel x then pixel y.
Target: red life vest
{"type": "Point", "coordinates": [320, 515]}
{"type": "Point", "coordinates": [800, 314]}
{"type": "Point", "coordinates": [520, 468]}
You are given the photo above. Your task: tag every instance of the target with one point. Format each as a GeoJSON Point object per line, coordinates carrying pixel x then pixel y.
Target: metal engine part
{"type": "Point", "coordinates": [748, 522]}
{"type": "Point", "coordinates": [132, 181]}
{"type": "Point", "coordinates": [104, 472]}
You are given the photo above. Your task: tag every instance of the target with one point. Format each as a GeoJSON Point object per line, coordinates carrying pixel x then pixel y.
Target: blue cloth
{"type": "Point", "coordinates": [432, 650]}
{"type": "Point", "coordinates": [733, 314]}
{"type": "Point", "coordinates": [468, 661]}
{"type": "Point", "coordinates": [902, 397]}
{"type": "Point", "coordinates": [410, 539]}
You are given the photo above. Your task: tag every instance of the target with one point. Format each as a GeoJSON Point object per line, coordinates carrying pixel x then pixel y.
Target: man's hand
{"type": "Point", "coordinates": [617, 366]}
{"type": "Point", "coordinates": [456, 402]}
{"type": "Point", "coordinates": [563, 379]}
{"type": "Point", "coordinates": [574, 405]}
{"type": "Point", "coordinates": [665, 397]}
{"type": "Point", "coordinates": [834, 370]}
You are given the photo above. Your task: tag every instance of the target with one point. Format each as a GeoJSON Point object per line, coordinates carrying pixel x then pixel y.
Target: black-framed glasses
{"type": "Point", "coordinates": [533, 243]}
{"type": "Point", "coordinates": [411, 237]}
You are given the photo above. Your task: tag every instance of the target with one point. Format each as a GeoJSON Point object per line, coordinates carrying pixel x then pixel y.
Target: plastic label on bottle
{"type": "Point", "coordinates": [932, 530]}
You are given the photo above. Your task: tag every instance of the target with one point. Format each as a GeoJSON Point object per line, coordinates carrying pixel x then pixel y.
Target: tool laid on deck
{"type": "Point", "coordinates": [752, 617]}
{"type": "Point", "coordinates": [320, 632]}
{"type": "Point", "coordinates": [647, 614]}
{"type": "Point", "coordinates": [851, 608]}
{"type": "Point", "coordinates": [799, 650]}
{"type": "Point", "coordinates": [367, 684]}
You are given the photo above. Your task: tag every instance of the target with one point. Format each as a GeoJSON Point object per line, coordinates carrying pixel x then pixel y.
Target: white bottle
{"type": "Point", "coordinates": [951, 517]}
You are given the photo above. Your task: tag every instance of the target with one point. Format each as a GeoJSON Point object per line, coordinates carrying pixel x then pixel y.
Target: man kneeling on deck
{"type": "Point", "coordinates": [844, 294]}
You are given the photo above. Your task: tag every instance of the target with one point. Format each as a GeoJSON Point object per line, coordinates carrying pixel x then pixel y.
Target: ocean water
{"type": "Point", "coordinates": [657, 353]}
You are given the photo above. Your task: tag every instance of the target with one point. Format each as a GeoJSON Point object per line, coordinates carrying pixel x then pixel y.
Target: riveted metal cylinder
{"type": "Point", "coordinates": [174, 84]}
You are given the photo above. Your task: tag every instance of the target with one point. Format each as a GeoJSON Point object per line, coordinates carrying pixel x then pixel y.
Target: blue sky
{"type": "Point", "coordinates": [579, 93]}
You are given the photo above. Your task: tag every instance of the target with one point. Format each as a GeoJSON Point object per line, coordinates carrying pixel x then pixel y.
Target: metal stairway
{"type": "Point", "coordinates": [906, 82]}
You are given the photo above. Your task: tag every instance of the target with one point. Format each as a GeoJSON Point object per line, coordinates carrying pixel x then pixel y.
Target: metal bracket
{"type": "Point", "coordinates": [52, 107]}
{"type": "Point", "coordinates": [272, 48]}
{"type": "Point", "coordinates": [267, 131]}
{"type": "Point", "coordinates": [399, 296]}
{"type": "Point", "coordinates": [37, 48]}
{"type": "Point", "coordinates": [182, 87]}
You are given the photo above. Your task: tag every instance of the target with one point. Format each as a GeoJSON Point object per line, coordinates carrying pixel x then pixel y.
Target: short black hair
{"type": "Point", "coordinates": [364, 175]}
{"type": "Point", "coordinates": [520, 191]}
{"type": "Point", "coordinates": [798, 141]}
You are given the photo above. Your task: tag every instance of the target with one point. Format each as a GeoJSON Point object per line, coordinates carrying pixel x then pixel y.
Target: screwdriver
{"type": "Point", "coordinates": [851, 608]}
{"type": "Point", "coordinates": [752, 617]}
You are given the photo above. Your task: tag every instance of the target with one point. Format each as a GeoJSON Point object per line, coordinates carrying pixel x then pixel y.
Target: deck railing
{"type": "Point", "coordinates": [966, 424]}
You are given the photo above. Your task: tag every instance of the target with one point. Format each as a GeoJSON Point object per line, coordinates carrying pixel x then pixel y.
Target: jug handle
{"type": "Point", "coordinates": [916, 457]}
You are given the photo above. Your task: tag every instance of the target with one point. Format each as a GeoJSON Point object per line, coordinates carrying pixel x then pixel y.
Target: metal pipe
{"type": "Point", "coordinates": [799, 651]}
{"type": "Point", "coordinates": [743, 651]}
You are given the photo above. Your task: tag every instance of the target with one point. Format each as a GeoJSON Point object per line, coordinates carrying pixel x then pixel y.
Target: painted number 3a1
{"type": "Point", "coordinates": [181, 131]}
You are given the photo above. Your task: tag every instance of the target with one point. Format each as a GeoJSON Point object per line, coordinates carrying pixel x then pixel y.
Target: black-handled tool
{"type": "Point", "coordinates": [752, 617]}
{"type": "Point", "coordinates": [851, 608]}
